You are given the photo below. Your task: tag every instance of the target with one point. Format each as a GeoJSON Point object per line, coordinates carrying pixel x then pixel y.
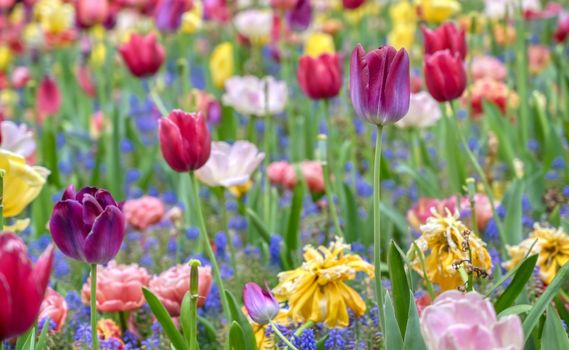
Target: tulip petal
{"type": "Point", "coordinates": [105, 239]}
{"type": "Point", "coordinates": [508, 332]}
{"type": "Point", "coordinates": [5, 305]}
{"type": "Point", "coordinates": [67, 228]}
{"type": "Point", "coordinates": [397, 89]}
{"type": "Point", "coordinates": [91, 209]}
{"type": "Point", "coordinates": [172, 145]}
{"type": "Point", "coordinates": [42, 269]}
{"type": "Point", "coordinates": [359, 80]}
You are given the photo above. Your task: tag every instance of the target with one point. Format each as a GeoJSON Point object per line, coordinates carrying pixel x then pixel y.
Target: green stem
{"type": "Point", "coordinates": [123, 316]}
{"type": "Point", "coordinates": [267, 189]}
{"type": "Point", "coordinates": [301, 329]}
{"type": "Point", "coordinates": [377, 225]}
{"type": "Point", "coordinates": [194, 296]}
{"type": "Point", "coordinates": [284, 339]}
{"type": "Point", "coordinates": [2, 173]}
{"type": "Point", "coordinates": [328, 185]}
{"type": "Point", "coordinates": [226, 228]}
{"type": "Point", "coordinates": [94, 334]}
{"type": "Point", "coordinates": [208, 250]}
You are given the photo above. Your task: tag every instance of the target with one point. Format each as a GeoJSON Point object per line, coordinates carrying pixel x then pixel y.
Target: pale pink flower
{"type": "Point", "coordinates": [468, 321]}
{"type": "Point", "coordinates": [53, 307]}
{"type": "Point", "coordinates": [248, 95]}
{"type": "Point", "coordinates": [119, 287]}
{"type": "Point", "coordinates": [488, 67]}
{"type": "Point", "coordinates": [143, 212]}
{"type": "Point", "coordinates": [284, 174]}
{"type": "Point", "coordinates": [424, 111]}
{"type": "Point", "coordinates": [20, 77]}
{"type": "Point", "coordinates": [172, 285]}
{"type": "Point", "coordinates": [17, 139]}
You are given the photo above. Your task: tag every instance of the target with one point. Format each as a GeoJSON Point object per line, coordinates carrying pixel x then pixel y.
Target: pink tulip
{"type": "Point", "coordinates": [54, 308]}
{"type": "Point", "coordinates": [172, 285]}
{"type": "Point", "coordinates": [143, 212]}
{"type": "Point", "coordinates": [468, 321]}
{"type": "Point", "coordinates": [20, 77]}
{"type": "Point", "coordinates": [119, 287]}
{"type": "Point", "coordinates": [48, 98]}
{"type": "Point", "coordinates": [284, 174]}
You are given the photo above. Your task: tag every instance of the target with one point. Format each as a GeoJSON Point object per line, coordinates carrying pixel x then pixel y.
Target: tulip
{"type": "Point", "coordinates": [562, 30]}
{"type": "Point", "coordinates": [438, 11]}
{"type": "Point", "coordinates": [488, 67]}
{"type": "Point", "coordinates": [54, 308]}
{"type": "Point", "coordinates": [254, 25]}
{"type": "Point", "coordinates": [20, 77]}
{"type": "Point", "coordinates": [299, 17]}
{"type": "Point", "coordinates": [17, 139]}
{"type": "Point", "coordinates": [424, 111]}
{"type": "Point", "coordinates": [143, 55]}
{"type": "Point", "coordinates": [48, 98]}
{"type": "Point", "coordinates": [22, 285]}
{"type": "Point", "coordinates": [468, 321]}
{"type": "Point", "coordinates": [248, 95]}
{"type": "Point", "coordinates": [352, 4]}
{"type": "Point", "coordinates": [318, 44]}
{"type": "Point", "coordinates": [445, 75]}
{"type": "Point", "coordinates": [143, 212]}
{"type": "Point", "coordinates": [446, 37]}
{"type": "Point", "coordinates": [221, 64]}
{"type": "Point", "coordinates": [88, 225]}
{"type": "Point", "coordinates": [168, 14]}
{"type": "Point", "coordinates": [91, 12]}
{"type": "Point", "coordinates": [184, 140]}
{"type": "Point", "coordinates": [320, 78]}
{"type": "Point", "coordinates": [283, 4]}
{"type": "Point", "coordinates": [380, 84]}
{"type": "Point", "coordinates": [260, 303]}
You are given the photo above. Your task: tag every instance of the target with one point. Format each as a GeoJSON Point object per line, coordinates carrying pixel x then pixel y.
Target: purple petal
{"type": "Point", "coordinates": [69, 193]}
{"type": "Point", "coordinates": [106, 237]}
{"type": "Point", "coordinates": [84, 191]}
{"type": "Point", "coordinates": [91, 210]}
{"type": "Point", "coordinates": [105, 198]}
{"type": "Point", "coordinates": [359, 79]}
{"type": "Point", "coordinates": [67, 228]}
{"type": "Point", "coordinates": [397, 89]}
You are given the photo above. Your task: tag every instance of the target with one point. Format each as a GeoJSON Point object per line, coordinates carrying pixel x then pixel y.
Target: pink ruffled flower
{"type": "Point", "coordinates": [119, 287]}
{"type": "Point", "coordinates": [172, 285]}
{"type": "Point", "coordinates": [468, 321]}
{"type": "Point", "coordinates": [143, 212]}
{"type": "Point", "coordinates": [54, 307]}
{"type": "Point", "coordinates": [488, 67]}
{"type": "Point", "coordinates": [482, 207]}
{"type": "Point", "coordinates": [422, 210]}
{"type": "Point", "coordinates": [284, 174]}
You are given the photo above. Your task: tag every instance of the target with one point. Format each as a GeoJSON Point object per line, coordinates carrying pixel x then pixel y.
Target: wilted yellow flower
{"type": "Point", "coordinates": [438, 11]}
{"type": "Point", "coordinates": [192, 20]}
{"type": "Point", "coordinates": [221, 64]}
{"type": "Point", "coordinates": [447, 241]}
{"type": "Point", "coordinates": [319, 43]}
{"type": "Point", "coordinates": [317, 291]}
{"type": "Point", "coordinates": [54, 16]}
{"type": "Point", "coordinates": [263, 341]}
{"type": "Point", "coordinates": [402, 36]}
{"type": "Point", "coordinates": [551, 244]}
{"type": "Point", "coordinates": [22, 183]}
{"type": "Point", "coordinates": [5, 57]}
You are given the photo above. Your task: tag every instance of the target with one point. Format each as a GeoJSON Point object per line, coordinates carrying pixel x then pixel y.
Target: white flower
{"type": "Point", "coordinates": [17, 139]}
{"type": "Point", "coordinates": [255, 25]}
{"type": "Point", "coordinates": [499, 8]}
{"type": "Point", "coordinates": [423, 112]}
{"type": "Point", "coordinates": [248, 95]}
{"type": "Point", "coordinates": [230, 165]}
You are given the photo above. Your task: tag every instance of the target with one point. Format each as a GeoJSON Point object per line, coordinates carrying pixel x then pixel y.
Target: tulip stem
{"type": "Point", "coordinates": [2, 172]}
{"type": "Point", "coordinates": [94, 335]}
{"type": "Point", "coordinates": [226, 228]}
{"type": "Point", "coordinates": [267, 185]}
{"type": "Point", "coordinates": [324, 157]}
{"type": "Point", "coordinates": [208, 250]}
{"type": "Point", "coordinates": [377, 224]}
{"type": "Point", "coordinates": [194, 297]}
{"type": "Point", "coordinates": [279, 333]}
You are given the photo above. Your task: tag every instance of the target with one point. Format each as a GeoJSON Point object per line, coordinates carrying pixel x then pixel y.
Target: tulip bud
{"type": "Point", "coordinates": [321, 77]}
{"type": "Point", "coordinates": [260, 303]}
{"type": "Point", "coordinates": [380, 84]}
{"type": "Point", "coordinates": [22, 285]}
{"type": "Point", "coordinates": [48, 98]}
{"type": "Point", "coordinates": [88, 225]}
{"type": "Point", "coordinates": [143, 55]}
{"type": "Point", "coordinates": [445, 75]}
{"type": "Point", "coordinates": [184, 140]}
{"type": "Point", "coordinates": [445, 37]}
{"type": "Point", "coordinates": [352, 4]}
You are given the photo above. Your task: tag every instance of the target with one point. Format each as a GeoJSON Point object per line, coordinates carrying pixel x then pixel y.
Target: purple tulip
{"type": "Point", "coordinates": [380, 84]}
{"type": "Point", "coordinates": [260, 303]}
{"type": "Point", "coordinates": [300, 16]}
{"type": "Point", "coordinates": [88, 226]}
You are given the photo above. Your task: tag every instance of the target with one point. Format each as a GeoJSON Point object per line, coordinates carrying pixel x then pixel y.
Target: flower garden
{"type": "Point", "coordinates": [284, 174]}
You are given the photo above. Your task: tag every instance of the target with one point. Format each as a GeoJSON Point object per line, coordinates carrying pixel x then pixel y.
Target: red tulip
{"type": "Point", "coordinates": [91, 12]}
{"type": "Point", "coordinates": [283, 4]}
{"type": "Point", "coordinates": [562, 30]}
{"type": "Point", "coordinates": [48, 98]}
{"type": "Point", "coordinates": [352, 4]}
{"type": "Point", "coordinates": [143, 55]}
{"type": "Point", "coordinates": [184, 140]}
{"type": "Point", "coordinates": [320, 77]}
{"type": "Point", "coordinates": [22, 285]}
{"type": "Point", "coordinates": [445, 75]}
{"type": "Point", "coordinates": [446, 37]}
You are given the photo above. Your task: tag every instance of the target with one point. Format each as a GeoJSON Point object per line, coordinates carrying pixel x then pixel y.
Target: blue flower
{"type": "Point", "coordinates": [305, 341]}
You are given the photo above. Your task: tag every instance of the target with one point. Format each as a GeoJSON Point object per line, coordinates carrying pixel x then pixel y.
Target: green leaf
{"type": "Point", "coordinates": [293, 233]}
{"type": "Point", "coordinates": [523, 274]}
{"type": "Point", "coordinates": [515, 310]}
{"type": "Point", "coordinates": [427, 185]}
{"type": "Point", "coordinates": [185, 314]}
{"type": "Point", "coordinates": [351, 216]}
{"type": "Point", "coordinates": [236, 337]}
{"type": "Point", "coordinates": [413, 338]}
{"type": "Point", "coordinates": [261, 227]}
{"type": "Point", "coordinates": [210, 331]}
{"type": "Point", "coordinates": [165, 320]}
{"type": "Point", "coordinates": [561, 309]}
{"type": "Point", "coordinates": [43, 337]}
{"type": "Point", "coordinates": [24, 340]}
{"type": "Point", "coordinates": [513, 220]}
{"type": "Point", "coordinates": [533, 317]}
{"type": "Point", "coordinates": [393, 340]}
{"type": "Point", "coordinates": [400, 287]}
{"type": "Point", "coordinates": [553, 336]}
{"type": "Point", "coordinates": [239, 317]}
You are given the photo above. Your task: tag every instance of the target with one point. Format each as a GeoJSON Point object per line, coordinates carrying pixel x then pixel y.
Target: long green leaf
{"type": "Point", "coordinates": [43, 337]}
{"type": "Point", "coordinates": [258, 223]}
{"type": "Point", "coordinates": [513, 220]}
{"type": "Point", "coordinates": [541, 304]}
{"type": "Point", "coordinates": [239, 317]}
{"type": "Point", "coordinates": [393, 339]}
{"type": "Point", "coordinates": [293, 234]}
{"type": "Point", "coordinates": [236, 337]}
{"type": "Point", "coordinates": [165, 320]}
{"type": "Point", "coordinates": [185, 321]}
{"type": "Point", "coordinates": [400, 287]}
{"type": "Point", "coordinates": [515, 310]}
{"type": "Point", "coordinates": [509, 296]}
{"type": "Point", "coordinates": [554, 336]}
{"type": "Point", "coordinates": [413, 338]}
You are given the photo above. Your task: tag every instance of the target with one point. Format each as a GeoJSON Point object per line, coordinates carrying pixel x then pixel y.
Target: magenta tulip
{"type": "Point", "coordinates": [88, 225]}
{"type": "Point", "coordinates": [143, 55]}
{"type": "Point", "coordinates": [184, 140]}
{"type": "Point", "coordinates": [321, 77]}
{"type": "Point", "coordinates": [260, 303]}
{"type": "Point", "coordinates": [446, 37]}
{"type": "Point", "coordinates": [445, 75]}
{"type": "Point", "coordinates": [22, 285]}
{"type": "Point", "coordinates": [352, 4]}
{"type": "Point", "coordinates": [380, 84]}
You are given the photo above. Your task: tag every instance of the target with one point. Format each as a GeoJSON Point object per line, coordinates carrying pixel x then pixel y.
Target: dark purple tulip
{"type": "Point", "coordinates": [380, 84]}
{"type": "Point", "coordinates": [168, 14]}
{"type": "Point", "coordinates": [260, 303]}
{"type": "Point", "coordinates": [299, 17]}
{"type": "Point", "coordinates": [88, 226]}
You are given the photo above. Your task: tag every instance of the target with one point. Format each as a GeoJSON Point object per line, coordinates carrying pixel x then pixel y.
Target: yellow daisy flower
{"type": "Point", "coordinates": [317, 291]}
{"type": "Point", "coordinates": [447, 242]}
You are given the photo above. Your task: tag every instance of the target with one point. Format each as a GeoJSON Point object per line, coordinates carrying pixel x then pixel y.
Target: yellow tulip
{"type": "Point", "coordinates": [402, 36]}
{"type": "Point", "coordinates": [22, 182]}
{"type": "Point", "coordinates": [221, 64]}
{"type": "Point", "coordinates": [438, 11]}
{"type": "Point", "coordinates": [54, 15]}
{"type": "Point", "coordinates": [5, 57]}
{"type": "Point", "coordinates": [403, 13]}
{"type": "Point", "coordinates": [98, 54]}
{"type": "Point", "coordinates": [319, 43]}
{"type": "Point", "coordinates": [192, 20]}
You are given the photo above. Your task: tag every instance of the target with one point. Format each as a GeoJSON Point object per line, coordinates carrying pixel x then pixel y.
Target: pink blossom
{"type": "Point", "coordinates": [284, 174]}
{"type": "Point", "coordinates": [488, 67]}
{"type": "Point", "coordinates": [54, 307]}
{"type": "Point", "coordinates": [143, 212]}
